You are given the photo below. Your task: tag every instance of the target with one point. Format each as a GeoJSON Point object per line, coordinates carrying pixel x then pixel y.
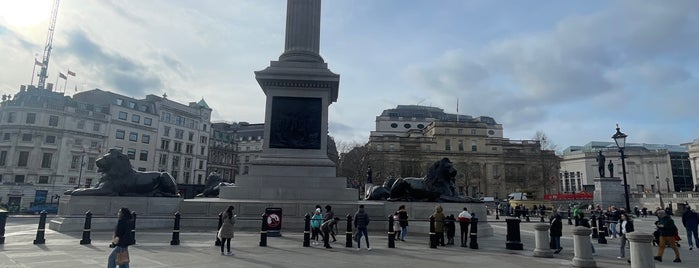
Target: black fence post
{"type": "Point", "coordinates": [220, 223]}
{"type": "Point", "coordinates": [348, 234]}
{"type": "Point", "coordinates": [133, 227]}
{"type": "Point", "coordinates": [474, 232]}
{"type": "Point", "coordinates": [3, 221]}
{"type": "Point", "coordinates": [570, 221]}
{"type": "Point", "coordinates": [263, 231]}
{"type": "Point", "coordinates": [87, 227]}
{"type": "Point", "coordinates": [176, 230]}
{"type": "Point", "coordinates": [307, 230]}
{"type": "Point", "coordinates": [391, 233]}
{"type": "Point", "coordinates": [40, 230]}
{"type": "Point", "coordinates": [514, 241]}
{"type": "Point", "coordinates": [593, 226]}
{"type": "Point", "coordinates": [497, 213]}
{"type": "Point", "coordinates": [433, 234]}
{"type": "Point", "coordinates": [602, 229]}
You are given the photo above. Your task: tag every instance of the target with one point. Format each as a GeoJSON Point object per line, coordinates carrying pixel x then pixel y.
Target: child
{"type": "Point", "coordinates": [450, 228]}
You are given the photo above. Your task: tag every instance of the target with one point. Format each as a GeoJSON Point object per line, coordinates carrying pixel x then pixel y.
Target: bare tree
{"type": "Point", "coordinates": [546, 143]}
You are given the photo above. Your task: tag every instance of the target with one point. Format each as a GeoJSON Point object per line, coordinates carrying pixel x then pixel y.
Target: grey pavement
{"type": "Point", "coordinates": [197, 249]}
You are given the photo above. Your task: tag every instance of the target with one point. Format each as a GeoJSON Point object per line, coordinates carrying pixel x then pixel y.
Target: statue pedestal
{"type": "Point", "coordinates": [72, 209]}
{"type": "Point", "coordinates": [609, 192]}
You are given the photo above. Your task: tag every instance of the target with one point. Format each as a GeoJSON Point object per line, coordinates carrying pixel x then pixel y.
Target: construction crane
{"type": "Point", "coordinates": [49, 43]}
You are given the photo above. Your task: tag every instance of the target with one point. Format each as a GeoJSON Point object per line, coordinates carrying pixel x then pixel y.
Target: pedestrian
{"type": "Point", "coordinates": [464, 219]}
{"type": "Point", "coordinates": [644, 211]}
{"type": "Point", "coordinates": [690, 220]}
{"type": "Point", "coordinates": [329, 215]}
{"type": "Point", "coordinates": [625, 227]}
{"type": "Point", "coordinates": [121, 240]}
{"type": "Point", "coordinates": [450, 229]}
{"type": "Point", "coordinates": [316, 221]}
{"type": "Point", "coordinates": [327, 228]}
{"type": "Point", "coordinates": [576, 215]}
{"type": "Point", "coordinates": [403, 218]}
{"type": "Point", "coordinates": [556, 232]}
{"type": "Point", "coordinates": [585, 222]}
{"type": "Point", "coordinates": [225, 234]}
{"type": "Point", "coordinates": [439, 224]}
{"type": "Point", "coordinates": [613, 220]}
{"type": "Point", "coordinates": [637, 212]}
{"type": "Point", "coordinates": [668, 231]}
{"type": "Point", "coordinates": [361, 220]}
{"type": "Point", "coordinates": [396, 225]}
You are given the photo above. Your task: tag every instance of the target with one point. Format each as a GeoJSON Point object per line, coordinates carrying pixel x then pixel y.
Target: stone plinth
{"type": "Point", "coordinates": [543, 249]}
{"type": "Point", "coordinates": [641, 252]}
{"type": "Point", "coordinates": [609, 192]}
{"type": "Point", "coordinates": [582, 248]}
{"type": "Point", "coordinates": [72, 209]}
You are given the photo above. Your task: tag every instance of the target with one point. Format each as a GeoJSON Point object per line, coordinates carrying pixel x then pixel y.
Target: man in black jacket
{"type": "Point", "coordinates": [361, 220]}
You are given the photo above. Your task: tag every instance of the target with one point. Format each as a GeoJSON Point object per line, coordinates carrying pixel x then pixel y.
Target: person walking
{"type": "Point", "coordinates": [464, 219]}
{"type": "Point", "coordinates": [450, 228]}
{"type": "Point", "coordinates": [329, 215]}
{"type": "Point", "coordinates": [316, 221]}
{"type": "Point", "coordinates": [668, 230]}
{"type": "Point", "coordinates": [556, 231]}
{"type": "Point", "coordinates": [361, 221]}
{"type": "Point", "coordinates": [122, 238]}
{"type": "Point", "coordinates": [625, 227]}
{"type": "Point", "coordinates": [690, 220]}
{"type": "Point", "coordinates": [613, 219]}
{"type": "Point", "coordinates": [439, 224]}
{"type": "Point", "coordinates": [327, 228]}
{"type": "Point", "coordinates": [225, 234]}
{"type": "Point", "coordinates": [396, 225]}
{"type": "Point", "coordinates": [403, 219]}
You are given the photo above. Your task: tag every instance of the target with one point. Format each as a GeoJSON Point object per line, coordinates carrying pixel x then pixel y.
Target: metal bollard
{"type": "Point", "coordinates": [514, 241]}
{"type": "Point", "coordinates": [474, 232]}
{"type": "Point", "coordinates": [497, 213]}
{"type": "Point", "coordinates": [593, 226]}
{"type": "Point", "coordinates": [220, 223]}
{"type": "Point", "coordinates": [307, 230]}
{"type": "Point", "coordinates": [263, 231]}
{"type": "Point", "coordinates": [87, 228]}
{"type": "Point", "coordinates": [601, 230]}
{"type": "Point", "coordinates": [542, 218]}
{"type": "Point", "coordinates": [570, 221]}
{"type": "Point", "coordinates": [433, 234]}
{"type": "Point", "coordinates": [348, 234]}
{"type": "Point", "coordinates": [133, 227]}
{"type": "Point", "coordinates": [391, 233]}
{"type": "Point", "coordinates": [3, 221]}
{"type": "Point", "coordinates": [40, 230]}
{"type": "Point", "coordinates": [527, 218]}
{"type": "Point", "coordinates": [176, 231]}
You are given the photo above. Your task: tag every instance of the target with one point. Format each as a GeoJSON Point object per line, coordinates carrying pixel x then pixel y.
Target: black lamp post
{"type": "Point", "coordinates": [620, 140]}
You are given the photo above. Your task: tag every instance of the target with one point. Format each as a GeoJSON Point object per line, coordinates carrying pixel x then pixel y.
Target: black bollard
{"type": "Point", "coordinates": [570, 221]}
{"type": "Point", "coordinates": [3, 221]}
{"type": "Point", "coordinates": [433, 234]}
{"type": "Point", "coordinates": [220, 223]}
{"type": "Point", "coordinates": [601, 230]}
{"type": "Point", "coordinates": [133, 227]}
{"type": "Point", "coordinates": [263, 231]}
{"type": "Point", "coordinates": [307, 230]}
{"type": "Point", "coordinates": [87, 228]}
{"type": "Point", "coordinates": [474, 232]}
{"type": "Point", "coordinates": [40, 230]}
{"type": "Point", "coordinates": [391, 233]}
{"type": "Point", "coordinates": [497, 213]}
{"type": "Point", "coordinates": [527, 218]}
{"type": "Point", "coordinates": [593, 226]}
{"type": "Point", "coordinates": [542, 218]}
{"type": "Point", "coordinates": [514, 241]}
{"type": "Point", "coordinates": [176, 231]}
{"type": "Point", "coordinates": [348, 234]}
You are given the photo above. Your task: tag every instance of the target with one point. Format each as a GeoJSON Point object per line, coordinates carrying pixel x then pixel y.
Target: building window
{"type": "Point", "coordinates": [27, 137]}
{"type": "Point", "coordinates": [166, 131]}
{"type": "Point", "coordinates": [199, 179]}
{"type": "Point", "coordinates": [75, 162]}
{"type": "Point", "coordinates": [88, 183]}
{"type": "Point", "coordinates": [31, 118]}
{"type": "Point", "coordinates": [119, 102]}
{"type": "Point", "coordinates": [91, 163]}
{"type": "Point", "coordinates": [132, 105]}
{"type": "Point", "coordinates": [147, 121]}
{"type": "Point", "coordinates": [131, 153]}
{"type": "Point", "coordinates": [94, 144]}
{"type": "Point", "coordinates": [96, 127]}
{"type": "Point", "coordinates": [136, 118]}
{"type": "Point", "coordinates": [473, 132]}
{"type": "Point", "coordinates": [179, 134]}
{"type": "Point", "coordinates": [179, 120]}
{"type": "Point", "coordinates": [50, 139]}
{"type": "Point", "coordinates": [201, 164]}
{"type": "Point", "coordinates": [23, 159]}
{"type": "Point", "coordinates": [394, 125]}
{"type": "Point", "coordinates": [120, 134]}
{"type": "Point", "coordinates": [19, 178]}
{"type": "Point", "coordinates": [10, 117]}
{"type": "Point", "coordinates": [188, 163]}
{"type": "Point", "coordinates": [53, 121]}
{"type": "Point", "coordinates": [165, 144]}
{"type": "Point", "coordinates": [46, 160]}
{"type": "Point", "coordinates": [6, 136]}
{"type": "Point", "coordinates": [145, 138]}
{"type": "Point", "coordinates": [447, 131]}
{"type": "Point", "coordinates": [189, 148]}
{"type": "Point", "coordinates": [461, 145]}
{"type": "Point", "coordinates": [174, 175]}
{"type": "Point", "coordinates": [474, 146]}
{"type": "Point", "coordinates": [203, 150]}
{"type": "Point", "coordinates": [175, 162]}
{"type": "Point", "coordinates": [191, 136]}
{"type": "Point", "coordinates": [123, 115]}
{"type": "Point", "coordinates": [203, 139]}
{"type": "Point", "coordinates": [141, 169]}
{"type": "Point", "coordinates": [407, 126]}
{"type": "Point", "coordinates": [245, 170]}
{"type": "Point", "coordinates": [247, 158]}
{"type": "Point", "coordinates": [72, 180]}
{"type": "Point", "coordinates": [447, 145]}
{"type": "Point", "coordinates": [81, 124]}
{"type": "Point", "coordinates": [163, 160]}
{"type": "Point", "coordinates": [420, 126]}
{"type": "Point", "coordinates": [143, 156]}
{"type": "Point", "coordinates": [178, 147]}
{"type": "Point", "coordinates": [43, 180]}
{"type": "Point", "coordinates": [3, 158]}
{"type": "Point", "coordinates": [166, 117]}
{"type": "Point", "coordinates": [133, 136]}
{"type": "Point", "coordinates": [204, 127]}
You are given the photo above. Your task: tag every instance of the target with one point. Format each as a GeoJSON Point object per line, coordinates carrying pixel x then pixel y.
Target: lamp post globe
{"type": "Point", "coordinates": [620, 140]}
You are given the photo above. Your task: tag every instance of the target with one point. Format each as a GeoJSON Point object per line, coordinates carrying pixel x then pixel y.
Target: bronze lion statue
{"type": "Point", "coordinates": [212, 186]}
{"type": "Point", "coordinates": [120, 179]}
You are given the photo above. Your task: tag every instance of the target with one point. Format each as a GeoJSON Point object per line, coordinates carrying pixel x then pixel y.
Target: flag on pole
{"type": "Point", "coordinates": [37, 62]}
{"type": "Point", "coordinates": [71, 73]}
{"type": "Point", "coordinates": [62, 76]}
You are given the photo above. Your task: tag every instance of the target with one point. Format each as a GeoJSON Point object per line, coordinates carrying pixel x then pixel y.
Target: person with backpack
{"type": "Point", "coordinates": [361, 221]}
{"type": "Point", "coordinates": [668, 231]}
{"type": "Point", "coordinates": [225, 234]}
{"type": "Point", "coordinates": [121, 240]}
{"type": "Point", "coordinates": [690, 220]}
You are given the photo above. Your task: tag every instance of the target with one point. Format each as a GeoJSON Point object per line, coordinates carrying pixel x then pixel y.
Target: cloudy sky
{"type": "Point", "coordinates": [572, 69]}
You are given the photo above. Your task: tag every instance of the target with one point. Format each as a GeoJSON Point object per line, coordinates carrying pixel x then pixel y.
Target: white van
{"type": "Point", "coordinates": [517, 196]}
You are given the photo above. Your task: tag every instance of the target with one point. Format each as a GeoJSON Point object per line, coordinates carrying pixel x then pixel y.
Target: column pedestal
{"type": "Point", "coordinates": [543, 249]}
{"type": "Point", "coordinates": [582, 247]}
{"type": "Point", "coordinates": [641, 252]}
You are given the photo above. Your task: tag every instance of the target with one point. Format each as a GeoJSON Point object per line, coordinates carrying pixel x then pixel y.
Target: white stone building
{"type": "Point", "coordinates": [693, 149]}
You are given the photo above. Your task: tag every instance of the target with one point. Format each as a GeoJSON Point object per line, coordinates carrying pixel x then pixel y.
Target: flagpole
{"type": "Point", "coordinates": [65, 84]}
{"type": "Point", "coordinates": [56, 84]}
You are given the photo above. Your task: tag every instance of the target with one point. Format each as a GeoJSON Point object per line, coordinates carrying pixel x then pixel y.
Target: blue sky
{"type": "Point", "coordinates": [572, 69]}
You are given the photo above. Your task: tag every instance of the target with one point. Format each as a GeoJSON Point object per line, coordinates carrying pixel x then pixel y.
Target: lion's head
{"type": "Point", "coordinates": [114, 163]}
{"type": "Point", "coordinates": [213, 180]}
{"type": "Point", "coordinates": [442, 170]}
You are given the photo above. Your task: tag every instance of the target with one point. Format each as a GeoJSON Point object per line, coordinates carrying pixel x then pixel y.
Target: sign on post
{"type": "Point", "coordinates": [274, 221]}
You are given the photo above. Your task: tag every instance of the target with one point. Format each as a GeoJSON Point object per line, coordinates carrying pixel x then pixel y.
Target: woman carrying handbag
{"type": "Point", "coordinates": [121, 241]}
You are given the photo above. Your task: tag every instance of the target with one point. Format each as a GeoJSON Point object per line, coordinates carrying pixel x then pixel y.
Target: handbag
{"type": "Point", "coordinates": [122, 256]}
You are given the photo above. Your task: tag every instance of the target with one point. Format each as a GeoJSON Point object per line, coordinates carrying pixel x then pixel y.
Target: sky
{"type": "Point", "coordinates": [571, 69]}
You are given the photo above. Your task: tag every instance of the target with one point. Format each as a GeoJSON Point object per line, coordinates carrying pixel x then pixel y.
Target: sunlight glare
{"type": "Point", "coordinates": [25, 13]}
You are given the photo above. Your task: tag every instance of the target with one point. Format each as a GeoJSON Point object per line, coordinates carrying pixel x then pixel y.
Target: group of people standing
{"type": "Point", "coordinates": [447, 224]}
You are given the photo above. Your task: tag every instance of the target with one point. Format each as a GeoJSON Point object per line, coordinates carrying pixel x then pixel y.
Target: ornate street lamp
{"type": "Point", "coordinates": [620, 140]}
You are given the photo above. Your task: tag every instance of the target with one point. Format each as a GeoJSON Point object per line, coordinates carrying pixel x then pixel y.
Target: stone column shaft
{"type": "Point", "coordinates": [641, 252]}
{"type": "Point", "coordinates": [302, 41]}
{"type": "Point", "coordinates": [543, 249]}
{"type": "Point", "coordinates": [582, 248]}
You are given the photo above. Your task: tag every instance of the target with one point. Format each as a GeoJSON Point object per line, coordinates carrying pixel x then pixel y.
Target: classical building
{"type": "Point", "coordinates": [693, 149]}
{"type": "Point", "coordinates": [49, 142]}
{"type": "Point", "coordinates": [222, 150]}
{"type": "Point", "coordinates": [649, 167]}
{"type": "Point", "coordinates": [409, 138]}
{"type": "Point", "coordinates": [248, 139]}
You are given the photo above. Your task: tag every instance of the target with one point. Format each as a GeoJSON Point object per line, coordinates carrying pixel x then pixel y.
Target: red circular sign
{"type": "Point", "coordinates": [273, 220]}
